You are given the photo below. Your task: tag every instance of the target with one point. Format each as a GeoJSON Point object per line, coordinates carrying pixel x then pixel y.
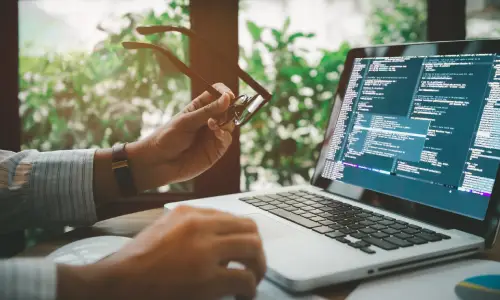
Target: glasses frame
{"type": "Point", "coordinates": [248, 101]}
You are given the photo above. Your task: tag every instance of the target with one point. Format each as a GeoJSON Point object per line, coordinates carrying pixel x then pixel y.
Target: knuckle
{"type": "Point", "coordinates": [252, 225]}
{"type": "Point", "coordinates": [193, 224]}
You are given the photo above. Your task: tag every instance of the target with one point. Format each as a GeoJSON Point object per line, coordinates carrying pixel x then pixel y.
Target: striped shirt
{"type": "Point", "coordinates": [41, 189]}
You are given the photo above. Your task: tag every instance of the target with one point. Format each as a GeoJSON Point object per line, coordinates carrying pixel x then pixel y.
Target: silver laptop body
{"type": "Point", "coordinates": [372, 210]}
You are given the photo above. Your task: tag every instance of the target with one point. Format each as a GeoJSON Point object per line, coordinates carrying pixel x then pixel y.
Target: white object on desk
{"type": "Point", "coordinates": [436, 283]}
{"type": "Point", "coordinates": [268, 291]}
{"type": "Point", "coordinates": [89, 250]}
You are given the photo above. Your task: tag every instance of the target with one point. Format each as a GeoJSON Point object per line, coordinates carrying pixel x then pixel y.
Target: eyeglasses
{"type": "Point", "coordinates": [242, 109]}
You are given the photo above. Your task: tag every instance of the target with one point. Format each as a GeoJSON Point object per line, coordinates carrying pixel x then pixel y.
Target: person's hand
{"type": "Point", "coordinates": [183, 255]}
{"type": "Point", "coordinates": [185, 147]}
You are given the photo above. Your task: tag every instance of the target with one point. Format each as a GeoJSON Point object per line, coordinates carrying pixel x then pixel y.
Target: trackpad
{"type": "Point", "coordinates": [270, 229]}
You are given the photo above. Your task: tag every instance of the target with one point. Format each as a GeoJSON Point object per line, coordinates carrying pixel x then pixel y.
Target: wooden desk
{"type": "Point", "coordinates": [130, 225]}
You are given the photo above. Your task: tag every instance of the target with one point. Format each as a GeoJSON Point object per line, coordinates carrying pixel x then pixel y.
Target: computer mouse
{"type": "Point", "coordinates": [89, 250]}
{"type": "Point", "coordinates": [484, 287]}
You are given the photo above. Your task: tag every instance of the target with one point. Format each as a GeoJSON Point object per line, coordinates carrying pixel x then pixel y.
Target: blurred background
{"type": "Point", "coordinates": [78, 88]}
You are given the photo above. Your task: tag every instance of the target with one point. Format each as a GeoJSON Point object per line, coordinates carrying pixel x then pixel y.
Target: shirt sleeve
{"type": "Point", "coordinates": [45, 189]}
{"type": "Point", "coordinates": [41, 189]}
{"type": "Point", "coordinates": [28, 279]}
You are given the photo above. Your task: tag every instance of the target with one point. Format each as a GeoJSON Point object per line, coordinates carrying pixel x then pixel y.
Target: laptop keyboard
{"type": "Point", "coordinates": [348, 224]}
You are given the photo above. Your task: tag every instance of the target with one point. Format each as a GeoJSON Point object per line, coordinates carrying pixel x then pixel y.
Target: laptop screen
{"type": "Point", "coordinates": [421, 128]}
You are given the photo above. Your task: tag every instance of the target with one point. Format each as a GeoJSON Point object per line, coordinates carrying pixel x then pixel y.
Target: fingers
{"type": "Point", "coordinates": [226, 223]}
{"type": "Point", "coordinates": [237, 282]}
{"type": "Point", "coordinates": [200, 117]}
{"type": "Point", "coordinates": [246, 249]}
{"type": "Point", "coordinates": [206, 98]}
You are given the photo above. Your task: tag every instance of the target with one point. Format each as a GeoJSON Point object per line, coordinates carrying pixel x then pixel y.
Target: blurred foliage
{"type": "Point", "coordinates": [279, 142]}
{"type": "Point", "coordinates": [90, 100]}
{"type": "Point", "coordinates": [398, 21]}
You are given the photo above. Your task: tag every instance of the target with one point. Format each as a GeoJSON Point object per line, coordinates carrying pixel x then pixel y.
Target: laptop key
{"type": "Point", "coordinates": [299, 211]}
{"type": "Point", "coordinates": [397, 226]}
{"type": "Point", "coordinates": [317, 205]}
{"type": "Point", "coordinates": [428, 237]}
{"type": "Point", "coordinates": [326, 222]}
{"type": "Point", "coordinates": [367, 222]}
{"type": "Point", "coordinates": [359, 244]}
{"type": "Point", "coordinates": [403, 235]}
{"type": "Point", "coordinates": [308, 208]}
{"type": "Point", "coordinates": [379, 235]}
{"type": "Point", "coordinates": [410, 231]}
{"type": "Point", "coordinates": [268, 207]}
{"type": "Point", "coordinates": [396, 241]}
{"type": "Point", "coordinates": [325, 214]}
{"type": "Point", "coordinates": [335, 226]}
{"type": "Point", "coordinates": [245, 199]}
{"type": "Point", "coordinates": [335, 234]}
{"type": "Point", "coordinates": [380, 243]}
{"type": "Point", "coordinates": [318, 219]}
{"type": "Point", "coordinates": [290, 208]}
{"type": "Point", "coordinates": [343, 240]}
{"type": "Point", "coordinates": [347, 230]}
{"type": "Point", "coordinates": [316, 211]}
{"type": "Point", "coordinates": [444, 236]}
{"type": "Point", "coordinates": [359, 235]}
{"type": "Point", "coordinates": [378, 227]}
{"type": "Point", "coordinates": [401, 222]}
{"type": "Point", "coordinates": [414, 226]}
{"type": "Point", "coordinates": [299, 205]}
{"type": "Point", "coordinates": [323, 229]}
{"type": "Point", "coordinates": [363, 215]}
{"type": "Point", "coordinates": [416, 240]}
{"type": "Point", "coordinates": [308, 215]}
{"type": "Point", "coordinates": [367, 250]}
{"type": "Point", "coordinates": [275, 202]}
{"type": "Point", "coordinates": [295, 218]}
{"type": "Point", "coordinates": [367, 230]}
{"type": "Point", "coordinates": [386, 222]}
{"type": "Point", "coordinates": [390, 231]}
{"type": "Point", "coordinates": [260, 203]}
{"type": "Point", "coordinates": [265, 198]}
{"type": "Point", "coordinates": [428, 231]}
{"type": "Point", "coordinates": [356, 226]}
{"type": "Point", "coordinates": [374, 219]}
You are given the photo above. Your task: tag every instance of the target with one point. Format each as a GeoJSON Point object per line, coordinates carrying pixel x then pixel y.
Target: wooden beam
{"type": "Point", "coordinates": [217, 21]}
{"type": "Point", "coordinates": [446, 20]}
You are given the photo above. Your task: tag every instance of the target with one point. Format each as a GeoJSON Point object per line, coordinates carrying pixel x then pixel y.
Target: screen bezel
{"type": "Point", "coordinates": [486, 228]}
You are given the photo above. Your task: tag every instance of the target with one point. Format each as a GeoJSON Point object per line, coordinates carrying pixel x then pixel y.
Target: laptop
{"type": "Point", "coordinates": [407, 174]}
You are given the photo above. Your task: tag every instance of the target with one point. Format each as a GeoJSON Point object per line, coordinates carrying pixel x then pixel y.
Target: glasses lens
{"type": "Point", "coordinates": [242, 109]}
{"type": "Point", "coordinates": [246, 107]}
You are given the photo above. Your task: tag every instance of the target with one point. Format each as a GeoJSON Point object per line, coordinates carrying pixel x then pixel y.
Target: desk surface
{"type": "Point", "coordinates": [130, 225]}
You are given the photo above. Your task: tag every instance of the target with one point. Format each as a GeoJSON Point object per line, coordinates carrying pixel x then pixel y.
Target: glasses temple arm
{"type": "Point", "coordinates": [242, 74]}
{"type": "Point", "coordinates": [179, 64]}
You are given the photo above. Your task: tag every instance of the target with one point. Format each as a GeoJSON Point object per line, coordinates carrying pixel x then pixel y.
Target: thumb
{"type": "Point", "coordinates": [201, 116]}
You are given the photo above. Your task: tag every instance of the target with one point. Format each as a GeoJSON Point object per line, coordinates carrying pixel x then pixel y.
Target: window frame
{"type": "Point", "coordinates": [217, 21]}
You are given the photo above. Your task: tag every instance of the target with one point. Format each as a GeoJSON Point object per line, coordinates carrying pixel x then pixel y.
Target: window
{"type": "Point", "coordinates": [483, 19]}
{"type": "Point", "coordinates": [301, 58]}
{"type": "Point", "coordinates": [80, 89]}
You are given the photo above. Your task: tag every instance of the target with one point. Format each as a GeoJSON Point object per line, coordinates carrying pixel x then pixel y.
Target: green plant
{"type": "Point", "coordinates": [283, 137]}
{"type": "Point", "coordinates": [91, 100]}
{"type": "Point", "coordinates": [398, 21]}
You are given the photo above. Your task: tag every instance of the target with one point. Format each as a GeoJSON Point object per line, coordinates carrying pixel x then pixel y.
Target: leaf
{"type": "Point", "coordinates": [277, 35]}
{"type": "Point", "coordinates": [254, 30]}
{"type": "Point", "coordinates": [287, 24]}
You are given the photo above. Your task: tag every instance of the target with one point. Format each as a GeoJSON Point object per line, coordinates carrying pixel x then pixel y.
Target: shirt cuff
{"type": "Point", "coordinates": [62, 183]}
{"type": "Point", "coordinates": [30, 279]}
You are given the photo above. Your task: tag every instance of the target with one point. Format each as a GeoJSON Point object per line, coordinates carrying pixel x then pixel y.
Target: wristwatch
{"type": "Point", "coordinates": [122, 171]}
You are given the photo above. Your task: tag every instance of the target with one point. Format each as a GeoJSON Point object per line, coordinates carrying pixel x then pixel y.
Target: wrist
{"type": "Point", "coordinates": [82, 282]}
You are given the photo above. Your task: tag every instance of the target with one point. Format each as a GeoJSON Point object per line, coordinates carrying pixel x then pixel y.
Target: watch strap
{"type": "Point", "coordinates": [122, 171]}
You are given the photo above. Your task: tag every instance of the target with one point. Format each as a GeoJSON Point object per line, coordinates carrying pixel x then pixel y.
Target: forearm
{"type": "Point", "coordinates": [105, 186]}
